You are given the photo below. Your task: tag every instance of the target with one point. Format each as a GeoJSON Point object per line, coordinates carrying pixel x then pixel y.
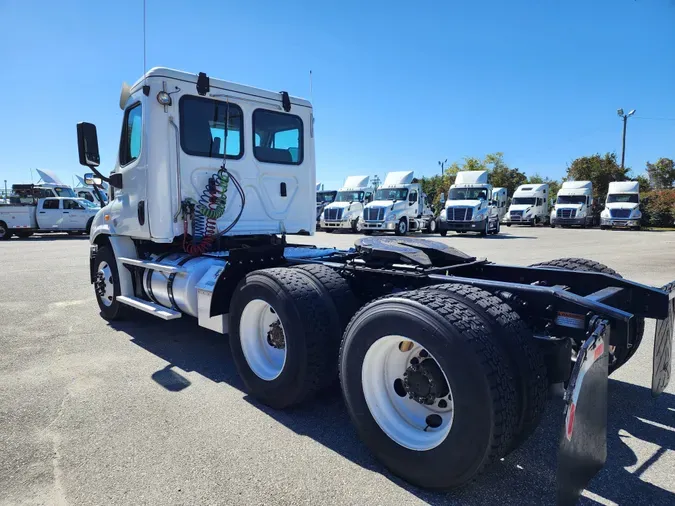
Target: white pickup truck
{"type": "Point", "coordinates": [48, 215]}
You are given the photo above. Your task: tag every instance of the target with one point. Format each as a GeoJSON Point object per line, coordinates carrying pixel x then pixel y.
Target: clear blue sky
{"type": "Point", "coordinates": [397, 85]}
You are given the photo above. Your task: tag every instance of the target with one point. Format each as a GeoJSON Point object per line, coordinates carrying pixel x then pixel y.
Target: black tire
{"type": "Point", "coordinates": [443, 233]}
{"type": "Point", "coordinates": [87, 228]}
{"type": "Point", "coordinates": [432, 226]}
{"type": "Point", "coordinates": [367, 232]}
{"type": "Point", "coordinates": [516, 342]}
{"type": "Point", "coordinates": [116, 310]}
{"type": "Point", "coordinates": [621, 355]}
{"type": "Point", "coordinates": [5, 232]}
{"type": "Point", "coordinates": [533, 223]}
{"type": "Point", "coordinates": [401, 227]}
{"type": "Point", "coordinates": [485, 411]}
{"type": "Point", "coordinates": [508, 224]}
{"type": "Point", "coordinates": [497, 229]}
{"type": "Point", "coordinates": [312, 331]}
{"type": "Point", "coordinates": [635, 228]}
{"type": "Point", "coordinates": [486, 229]}
{"type": "Point", "coordinates": [603, 227]}
{"type": "Point", "coordinates": [552, 225]}
{"type": "Point", "coordinates": [335, 288]}
{"type": "Point", "coordinates": [327, 230]}
{"type": "Point", "coordinates": [355, 226]}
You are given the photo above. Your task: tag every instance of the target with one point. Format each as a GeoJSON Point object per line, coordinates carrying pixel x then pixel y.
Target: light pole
{"type": "Point", "coordinates": [442, 166]}
{"type": "Point", "coordinates": [625, 122]}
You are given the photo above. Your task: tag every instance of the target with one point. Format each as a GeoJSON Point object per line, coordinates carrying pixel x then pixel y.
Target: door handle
{"type": "Point", "coordinates": [66, 212]}
{"type": "Point", "coordinates": [43, 212]}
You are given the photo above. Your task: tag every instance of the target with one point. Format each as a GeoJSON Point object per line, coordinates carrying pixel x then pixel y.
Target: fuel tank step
{"type": "Point", "coordinates": [167, 269]}
{"type": "Point", "coordinates": [150, 307]}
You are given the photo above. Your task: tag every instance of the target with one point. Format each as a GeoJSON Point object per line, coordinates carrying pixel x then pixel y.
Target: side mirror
{"type": "Point", "coordinates": [87, 144]}
{"type": "Point", "coordinates": [91, 179]}
{"type": "Point", "coordinates": [442, 198]}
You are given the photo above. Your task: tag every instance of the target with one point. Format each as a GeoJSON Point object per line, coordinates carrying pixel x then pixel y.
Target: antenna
{"type": "Point", "coordinates": [311, 95]}
{"type": "Point", "coordinates": [144, 52]}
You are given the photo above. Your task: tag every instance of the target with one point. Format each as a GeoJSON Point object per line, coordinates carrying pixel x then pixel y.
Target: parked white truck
{"type": "Point", "coordinates": [347, 208]}
{"type": "Point", "coordinates": [444, 360]}
{"type": "Point", "coordinates": [323, 198]}
{"type": "Point", "coordinates": [469, 206]}
{"type": "Point", "coordinates": [529, 206]}
{"type": "Point", "coordinates": [398, 206]}
{"type": "Point", "coordinates": [622, 206]}
{"type": "Point", "coordinates": [74, 216]}
{"type": "Point", "coordinates": [500, 199]}
{"type": "Point", "coordinates": [574, 205]}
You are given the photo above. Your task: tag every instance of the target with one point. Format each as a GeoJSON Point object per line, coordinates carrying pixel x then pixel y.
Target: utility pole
{"type": "Point", "coordinates": [625, 123]}
{"type": "Point", "coordinates": [442, 166]}
{"type": "Point", "coordinates": [6, 189]}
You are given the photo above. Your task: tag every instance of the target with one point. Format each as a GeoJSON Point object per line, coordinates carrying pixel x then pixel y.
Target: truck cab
{"type": "Point", "coordinates": [345, 211]}
{"type": "Point", "coordinates": [323, 198]}
{"type": "Point", "coordinates": [398, 206]}
{"type": "Point", "coordinates": [574, 205]}
{"type": "Point", "coordinates": [529, 205]}
{"type": "Point", "coordinates": [500, 200]}
{"type": "Point", "coordinates": [622, 206]}
{"type": "Point", "coordinates": [469, 207]}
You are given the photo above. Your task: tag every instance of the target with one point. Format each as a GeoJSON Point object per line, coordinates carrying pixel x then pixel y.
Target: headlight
{"type": "Point", "coordinates": [443, 216]}
{"type": "Point", "coordinates": [637, 213]}
{"type": "Point", "coordinates": [604, 213]}
{"type": "Point", "coordinates": [390, 217]}
{"type": "Point", "coordinates": [478, 215]}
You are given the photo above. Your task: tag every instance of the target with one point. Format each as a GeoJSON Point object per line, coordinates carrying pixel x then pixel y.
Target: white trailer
{"type": "Point", "coordinates": [622, 206]}
{"type": "Point", "coordinates": [399, 206]}
{"type": "Point", "coordinates": [347, 208]}
{"type": "Point", "coordinates": [469, 206]}
{"type": "Point", "coordinates": [439, 373]}
{"type": "Point", "coordinates": [74, 216]}
{"type": "Point", "coordinates": [574, 205]}
{"type": "Point", "coordinates": [529, 205]}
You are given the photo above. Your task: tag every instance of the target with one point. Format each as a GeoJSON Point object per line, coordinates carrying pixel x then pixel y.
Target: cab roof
{"type": "Point", "coordinates": [219, 84]}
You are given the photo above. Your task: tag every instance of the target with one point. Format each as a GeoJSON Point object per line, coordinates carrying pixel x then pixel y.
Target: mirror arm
{"type": "Point", "coordinates": [95, 171]}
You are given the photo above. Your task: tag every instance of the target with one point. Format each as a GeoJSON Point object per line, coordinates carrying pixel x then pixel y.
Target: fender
{"type": "Point", "coordinates": [122, 246]}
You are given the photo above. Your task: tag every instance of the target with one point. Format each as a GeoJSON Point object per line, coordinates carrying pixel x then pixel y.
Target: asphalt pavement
{"type": "Point", "coordinates": [152, 412]}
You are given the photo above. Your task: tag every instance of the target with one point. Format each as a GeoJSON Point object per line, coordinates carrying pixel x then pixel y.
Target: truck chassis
{"type": "Point", "coordinates": [445, 360]}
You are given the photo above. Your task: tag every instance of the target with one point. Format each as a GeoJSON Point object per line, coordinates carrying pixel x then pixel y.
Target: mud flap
{"type": "Point", "coordinates": [663, 346]}
{"type": "Point", "coordinates": [583, 443]}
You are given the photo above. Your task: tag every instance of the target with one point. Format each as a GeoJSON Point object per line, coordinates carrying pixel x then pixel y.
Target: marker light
{"type": "Point", "coordinates": [164, 98]}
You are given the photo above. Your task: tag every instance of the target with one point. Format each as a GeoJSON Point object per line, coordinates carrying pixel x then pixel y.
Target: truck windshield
{"type": "Point", "coordinates": [523, 201]}
{"type": "Point", "coordinates": [65, 192]}
{"type": "Point", "coordinates": [467, 194]}
{"type": "Point", "coordinates": [622, 197]}
{"type": "Point", "coordinates": [326, 197]}
{"type": "Point", "coordinates": [571, 199]}
{"type": "Point", "coordinates": [349, 197]}
{"type": "Point", "coordinates": [391, 194]}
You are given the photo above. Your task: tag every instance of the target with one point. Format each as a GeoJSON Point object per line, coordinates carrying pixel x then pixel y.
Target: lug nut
{"type": "Point", "coordinates": [442, 403]}
{"type": "Point", "coordinates": [424, 353]}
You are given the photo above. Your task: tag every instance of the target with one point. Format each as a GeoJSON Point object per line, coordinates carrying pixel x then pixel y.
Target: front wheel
{"type": "Point", "coordinates": [402, 227]}
{"type": "Point", "coordinates": [356, 227]}
{"type": "Point", "coordinates": [443, 233]}
{"type": "Point", "coordinates": [431, 397]}
{"type": "Point", "coordinates": [107, 285]}
{"type": "Point", "coordinates": [5, 234]}
{"type": "Point", "coordinates": [486, 230]}
{"type": "Point", "coordinates": [431, 227]}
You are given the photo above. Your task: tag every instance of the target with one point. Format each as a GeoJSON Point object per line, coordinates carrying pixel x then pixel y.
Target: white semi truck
{"type": "Point", "coordinates": [500, 200]}
{"type": "Point", "coordinates": [347, 208]}
{"type": "Point", "coordinates": [529, 206]}
{"type": "Point", "coordinates": [323, 198]}
{"type": "Point", "coordinates": [445, 360]}
{"type": "Point", "coordinates": [398, 206]}
{"type": "Point", "coordinates": [469, 206]}
{"type": "Point", "coordinates": [622, 206]}
{"type": "Point", "coordinates": [574, 205]}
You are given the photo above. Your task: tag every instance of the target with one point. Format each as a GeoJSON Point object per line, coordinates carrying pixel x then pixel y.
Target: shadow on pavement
{"type": "Point", "coordinates": [526, 476]}
{"type": "Point", "coordinates": [52, 237]}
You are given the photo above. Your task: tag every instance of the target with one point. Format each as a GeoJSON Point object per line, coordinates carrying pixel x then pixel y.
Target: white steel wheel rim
{"type": "Point", "coordinates": [401, 418]}
{"type": "Point", "coordinates": [401, 226]}
{"type": "Point", "coordinates": [432, 226]}
{"type": "Point", "coordinates": [264, 358]}
{"type": "Point", "coordinates": [104, 281]}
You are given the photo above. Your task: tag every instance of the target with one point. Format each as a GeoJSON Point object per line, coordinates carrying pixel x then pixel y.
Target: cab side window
{"type": "Point", "coordinates": [50, 204]}
{"type": "Point", "coordinates": [412, 197]}
{"type": "Point", "coordinates": [71, 204]}
{"type": "Point", "coordinates": [132, 129]}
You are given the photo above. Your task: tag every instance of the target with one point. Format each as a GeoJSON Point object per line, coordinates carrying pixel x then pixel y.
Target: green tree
{"type": "Point", "coordinates": [600, 170]}
{"type": "Point", "coordinates": [645, 184]}
{"type": "Point", "coordinates": [505, 177]}
{"type": "Point", "coordinates": [661, 174]}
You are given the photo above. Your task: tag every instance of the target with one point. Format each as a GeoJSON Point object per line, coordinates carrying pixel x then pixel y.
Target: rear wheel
{"type": "Point", "coordinates": [619, 355]}
{"type": "Point", "coordinates": [5, 234]}
{"type": "Point", "coordinates": [284, 336]}
{"type": "Point", "coordinates": [516, 343]}
{"type": "Point", "coordinates": [427, 388]}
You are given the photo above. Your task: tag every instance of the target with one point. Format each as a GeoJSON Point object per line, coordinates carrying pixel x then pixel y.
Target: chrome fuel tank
{"type": "Point", "coordinates": [179, 290]}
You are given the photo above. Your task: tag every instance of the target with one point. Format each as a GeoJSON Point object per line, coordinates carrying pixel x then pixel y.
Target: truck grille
{"type": "Point", "coordinates": [619, 213]}
{"type": "Point", "coordinates": [460, 213]}
{"type": "Point", "coordinates": [333, 214]}
{"type": "Point", "coordinates": [566, 213]}
{"type": "Point", "coordinates": [373, 214]}
{"type": "Point", "coordinates": [516, 215]}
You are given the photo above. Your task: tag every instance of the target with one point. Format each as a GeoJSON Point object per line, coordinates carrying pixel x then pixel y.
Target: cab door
{"type": "Point", "coordinates": [50, 214]}
{"type": "Point", "coordinates": [75, 216]}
